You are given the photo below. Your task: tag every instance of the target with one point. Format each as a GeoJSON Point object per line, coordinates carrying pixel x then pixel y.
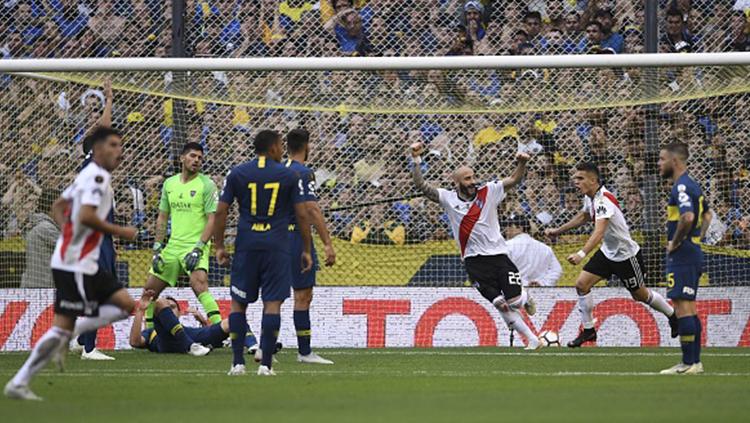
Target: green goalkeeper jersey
{"type": "Point", "coordinates": [188, 205]}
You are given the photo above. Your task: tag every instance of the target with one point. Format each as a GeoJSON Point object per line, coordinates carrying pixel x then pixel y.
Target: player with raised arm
{"type": "Point", "coordinates": [298, 149]}
{"type": "Point", "coordinates": [266, 191]}
{"type": "Point", "coordinates": [472, 211]}
{"type": "Point", "coordinates": [688, 217]}
{"type": "Point", "coordinates": [82, 288]}
{"type": "Point", "coordinates": [618, 254]}
{"type": "Point", "coordinates": [188, 202]}
{"type": "Point", "coordinates": [169, 336]}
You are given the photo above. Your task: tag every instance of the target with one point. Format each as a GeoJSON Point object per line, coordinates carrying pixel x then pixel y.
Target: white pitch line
{"type": "Point", "coordinates": [378, 372]}
{"type": "Point", "coordinates": [543, 353]}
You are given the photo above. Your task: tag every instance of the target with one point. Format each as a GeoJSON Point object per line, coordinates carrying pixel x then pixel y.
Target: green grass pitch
{"type": "Point", "coordinates": [393, 385]}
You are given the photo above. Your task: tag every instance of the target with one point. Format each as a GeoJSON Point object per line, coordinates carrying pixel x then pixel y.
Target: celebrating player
{"type": "Point", "coordinates": [82, 288]}
{"type": "Point", "coordinates": [169, 336]}
{"type": "Point", "coordinates": [266, 191]}
{"type": "Point", "coordinates": [688, 218]}
{"type": "Point", "coordinates": [188, 199]}
{"type": "Point", "coordinates": [618, 255]}
{"type": "Point", "coordinates": [472, 211]}
{"type": "Point", "coordinates": [298, 148]}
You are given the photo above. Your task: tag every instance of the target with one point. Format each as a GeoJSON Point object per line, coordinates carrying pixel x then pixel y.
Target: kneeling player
{"type": "Point", "coordinates": [169, 336]}
{"type": "Point", "coordinates": [618, 255]}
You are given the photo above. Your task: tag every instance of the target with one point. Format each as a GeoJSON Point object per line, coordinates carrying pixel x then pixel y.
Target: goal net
{"type": "Point", "coordinates": [401, 281]}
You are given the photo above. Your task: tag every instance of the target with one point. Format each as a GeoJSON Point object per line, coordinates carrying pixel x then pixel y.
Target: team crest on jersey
{"type": "Point", "coordinates": [479, 203]}
{"type": "Point", "coordinates": [192, 193]}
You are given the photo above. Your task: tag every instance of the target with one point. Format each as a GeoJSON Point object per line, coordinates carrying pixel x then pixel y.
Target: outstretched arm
{"type": "Point", "coordinates": [599, 227]}
{"type": "Point", "coordinates": [578, 220]}
{"type": "Point", "coordinates": [429, 191]}
{"type": "Point", "coordinates": [519, 173]}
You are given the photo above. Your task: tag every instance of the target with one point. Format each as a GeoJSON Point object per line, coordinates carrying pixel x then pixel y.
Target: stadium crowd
{"type": "Point", "coordinates": [360, 157]}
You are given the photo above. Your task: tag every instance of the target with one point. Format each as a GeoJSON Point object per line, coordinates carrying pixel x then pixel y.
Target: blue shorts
{"type": "Point", "coordinates": [260, 271]}
{"type": "Point", "coordinates": [682, 280]}
{"type": "Point", "coordinates": [301, 280]}
{"type": "Point", "coordinates": [209, 335]}
{"type": "Point", "coordinates": [165, 342]}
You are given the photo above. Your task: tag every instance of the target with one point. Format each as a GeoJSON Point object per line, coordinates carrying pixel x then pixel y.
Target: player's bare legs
{"type": "Point", "coordinates": [584, 283]}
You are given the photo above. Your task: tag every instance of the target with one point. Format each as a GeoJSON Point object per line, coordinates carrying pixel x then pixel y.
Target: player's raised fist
{"type": "Point", "coordinates": [129, 233]}
{"type": "Point", "coordinates": [551, 232]}
{"type": "Point", "coordinates": [416, 149]}
{"type": "Point", "coordinates": [523, 157]}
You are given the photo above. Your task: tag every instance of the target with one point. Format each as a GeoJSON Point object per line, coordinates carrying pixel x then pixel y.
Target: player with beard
{"type": "Point", "coordinates": [472, 211]}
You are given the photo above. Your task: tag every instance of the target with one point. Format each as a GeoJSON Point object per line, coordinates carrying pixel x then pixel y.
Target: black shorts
{"type": "Point", "coordinates": [493, 275]}
{"type": "Point", "coordinates": [631, 272]}
{"type": "Point", "coordinates": [78, 294]}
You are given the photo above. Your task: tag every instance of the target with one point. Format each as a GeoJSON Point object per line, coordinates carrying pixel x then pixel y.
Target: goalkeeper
{"type": "Point", "coordinates": [188, 203]}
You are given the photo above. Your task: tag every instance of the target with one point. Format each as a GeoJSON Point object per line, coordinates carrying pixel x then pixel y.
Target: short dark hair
{"type": "Point", "coordinates": [264, 140]}
{"type": "Point", "coordinates": [590, 167]}
{"type": "Point", "coordinates": [98, 135]}
{"type": "Point", "coordinates": [679, 149]}
{"type": "Point", "coordinates": [596, 24]}
{"type": "Point", "coordinates": [521, 32]}
{"type": "Point", "coordinates": [168, 298]}
{"type": "Point", "coordinates": [532, 15]}
{"type": "Point", "coordinates": [605, 12]}
{"type": "Point", "coordinates": [191, 146]}
{"type": "Point", "coordinates": [673, 11]}
{"type": "Point", "coordinates": [297, 139]}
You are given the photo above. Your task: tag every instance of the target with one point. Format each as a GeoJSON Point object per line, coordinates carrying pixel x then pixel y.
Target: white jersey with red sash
{"type": "Point", "coordinates": [475, 223]}
{"type": "Point", "coordinates": [617, 244]}
{"type": "Point", "coordinates": [77, 248]}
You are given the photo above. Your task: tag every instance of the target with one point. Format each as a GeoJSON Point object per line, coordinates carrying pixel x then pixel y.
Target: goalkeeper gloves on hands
{"type": "Point", "coordinates": [156, 261]}
{"type": "Point", "coordinates": [193, 258]}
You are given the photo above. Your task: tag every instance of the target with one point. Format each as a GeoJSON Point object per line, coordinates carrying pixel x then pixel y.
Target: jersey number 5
{"type": "Point", "coordinates": [273, 187]}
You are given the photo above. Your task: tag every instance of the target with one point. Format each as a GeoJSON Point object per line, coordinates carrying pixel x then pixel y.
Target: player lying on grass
{"type": "Point", "coordinates": [618, 255]}
{"type": "Point", "coordinates": [472, 211]}
{"type": "Point", "coordinates": [168, 335]}
{"type": "Point", "coordinates": [188, 202]}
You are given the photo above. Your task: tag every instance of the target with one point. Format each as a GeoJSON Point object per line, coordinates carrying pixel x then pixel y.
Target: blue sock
{"type": "Point", "coordinates": [686, 328]}
{"type": "Point", "coordinates": [168, 319]}
{"type": "Point", "coordinates": [250, 338]}
{"type": "Point", "coordinates": [88, 341]}
{"type": "Point", "coordinates": [697, 343]}
{"type": "Point", "coordinates": [237, 331]}
{"type": "Point", "coordinates": [269, 332]}
{"type": "Point", "coordinates": [302, 326]}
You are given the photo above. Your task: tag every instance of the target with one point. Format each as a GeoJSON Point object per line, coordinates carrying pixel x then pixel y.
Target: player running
{"type": "Point", "coordinates": [298, 148]}
{"type": "Point", "coordinates": [82, 288]}
{"type": "Point", "coordinates": [169, 336]}
{"type": "Point", "coordinates": [188, 202]}
{"type": "Point", "coordinates": [618, 254]}
{"type": "Point", "coordinates": [472, 211]}
{"type": "Point", "coordinates": [265, 191]}
{"type": "Point", "coordinates": [688, 218]}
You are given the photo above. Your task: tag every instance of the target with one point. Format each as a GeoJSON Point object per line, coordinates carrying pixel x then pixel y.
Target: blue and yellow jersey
{"type": "Point", "coordinates": [150, 336]}
{"type": "Point", "coordinates": [266, 192]}
{"type": "Point", "coordinates": [306, 187]}
{"type": "Point", "coordinates": [686, 196]}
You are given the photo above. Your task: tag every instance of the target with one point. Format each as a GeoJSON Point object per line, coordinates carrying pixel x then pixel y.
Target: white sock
{"type": "Point", "coordinates": [108, 313]}
{"type": "Point", "coordinates": [657, 302]}
{"type": "Point", "coordinates": [520, 301]}
{"type": "Point", "coordinates": [42, 353]}
{"type": "Point", "coordinates": [514, 321]}
{"type": "Point", "coordinates": [586, 306]}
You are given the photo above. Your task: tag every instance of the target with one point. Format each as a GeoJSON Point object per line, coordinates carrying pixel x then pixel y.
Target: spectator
{"type": "Point", "coordinates": [472, 19]}
{"type": "Point", "coordinates": [536, 262]}
{"type": "Point", "coordinates": [40, 244]}
{"type": "Point", "coordinates": [71, 18]}
{"type": "Point", "coordinates": [350, 33]}
{"type": "Point", "coordinates": [677, 38]}
{"type": "Point", "coordinates": [532, 22]}
{"type": "Point", "coordinates": [739, 33]}
{"type": "Point", "coordinates": [610, 39]}
{"type": "Point", "coordinates": [594, 37]}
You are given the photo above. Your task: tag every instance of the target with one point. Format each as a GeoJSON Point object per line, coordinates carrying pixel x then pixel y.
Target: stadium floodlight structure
{"type": "Point", "coordinates": [363, 113]}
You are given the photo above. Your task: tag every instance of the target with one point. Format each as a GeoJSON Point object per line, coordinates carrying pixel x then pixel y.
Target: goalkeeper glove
{"type": "Point", "coordinates": [194, 257]}
{"type": "Point", "coordinates": [156, 261]}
